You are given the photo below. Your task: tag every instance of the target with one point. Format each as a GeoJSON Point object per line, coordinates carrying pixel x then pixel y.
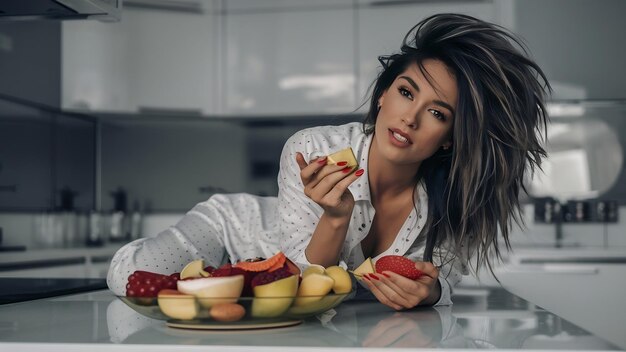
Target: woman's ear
{"type": "Point", "coordinates": [380, 100]}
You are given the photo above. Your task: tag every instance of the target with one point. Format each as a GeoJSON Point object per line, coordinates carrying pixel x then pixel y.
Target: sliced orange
{"type": "Point", "coordinates": [277, 260]}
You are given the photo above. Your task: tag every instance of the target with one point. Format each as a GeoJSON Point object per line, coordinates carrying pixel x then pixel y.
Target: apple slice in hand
{"type": "Point", "coordinates": [367, 267]}
{"type": "Point", "coordinates": [213, 290]}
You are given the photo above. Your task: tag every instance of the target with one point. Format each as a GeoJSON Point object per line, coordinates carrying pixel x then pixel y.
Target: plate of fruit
{"type": "Point", "coordinates": [256, 293]}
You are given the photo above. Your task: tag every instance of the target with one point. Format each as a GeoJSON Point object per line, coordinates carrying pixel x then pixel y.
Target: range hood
{"type": "Point", "coordinates": [103, 10]}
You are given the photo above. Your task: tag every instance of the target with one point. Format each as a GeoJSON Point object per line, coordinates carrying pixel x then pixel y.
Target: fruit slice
{"type": "Point", "coordinates": [399, 265]}
{"type": "Point", "coordinates": [313, 268]}
{"type": "Point", "coordinates": [273, 299]}
{"type": "Point", "coordinates": [324, 304]}
{"type": "Point", "coordinates": [213, 290]}
{"type": "Point", "coordinates": [228, 270]}
{"type": "Point", "coordinates": [193, 270]}
{"type": "Point", "coordinates": [343, 283]}
{"type": "Point", "coordinates": [343, 155]}
{"type": "Point", "coordinates": [367, 267]}
{"type": "Point", "coordinates": [227, 312]}
{"type": "Point", "coordinates": [276, 261]}
{"type": "Point", "coordinates": [313, 288]}
{"type": "Point", "coordinates": [177, 305]}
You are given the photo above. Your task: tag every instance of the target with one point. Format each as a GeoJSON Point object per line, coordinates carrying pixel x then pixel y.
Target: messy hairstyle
{"type": "Point", "coordinates": [473, 188]}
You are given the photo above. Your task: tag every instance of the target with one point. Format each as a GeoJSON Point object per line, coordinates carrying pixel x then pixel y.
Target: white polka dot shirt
{"type": "Point", "coordinates": [299, 215]}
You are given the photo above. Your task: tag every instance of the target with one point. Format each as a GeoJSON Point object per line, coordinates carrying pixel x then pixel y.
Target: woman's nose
{"type": "Point", "coordinates": [411, 119]}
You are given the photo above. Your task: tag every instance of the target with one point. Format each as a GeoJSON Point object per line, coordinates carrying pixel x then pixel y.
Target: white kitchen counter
{"type": "Point", "coordinates": [480, 318]}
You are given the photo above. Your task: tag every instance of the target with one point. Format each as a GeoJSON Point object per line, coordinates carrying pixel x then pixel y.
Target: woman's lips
{"type": "Point", "coordinates": [399, 138]}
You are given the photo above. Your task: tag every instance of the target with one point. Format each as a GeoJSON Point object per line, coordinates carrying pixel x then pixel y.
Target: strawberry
{"type": "Point", "coordinates": [399, 265]}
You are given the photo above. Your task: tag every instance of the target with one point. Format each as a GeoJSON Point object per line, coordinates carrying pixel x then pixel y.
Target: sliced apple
{"type": "Point", "coordinates": [343, 155]}
{"type": "Point", "coordinates": [213, 290]}
{"type": "Point", "coordinates": [367, 267]}
{"type": "Point", "coordinates": [320, 306]}
{"type": "Point", "coordinates": [343, 283]}
{"type": "Point", "coordinates": [313, 288]}
{"type": "Point", "coordinates": [194, 269]}
{"type": "Point", "coordinates": [313, 268]}
{"type": "Point", "coordinates": [177, 305]}
{"type": "Point", "coordinates": [273, 299]}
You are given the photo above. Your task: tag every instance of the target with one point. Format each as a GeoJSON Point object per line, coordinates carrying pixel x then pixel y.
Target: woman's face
{"type": "Point", "coordinates": [416, 119]}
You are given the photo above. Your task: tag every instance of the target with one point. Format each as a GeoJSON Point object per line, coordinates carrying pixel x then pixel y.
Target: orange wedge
{"type": "Point", "coordinates": [275, 262]}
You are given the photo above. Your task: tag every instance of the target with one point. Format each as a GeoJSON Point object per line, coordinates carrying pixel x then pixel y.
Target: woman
{"type": "Point", "coordinates": [442, 153]}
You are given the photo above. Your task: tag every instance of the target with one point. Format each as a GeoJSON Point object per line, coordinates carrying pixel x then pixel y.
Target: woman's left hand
{"type": "Point", "coordinates": [399, 293]}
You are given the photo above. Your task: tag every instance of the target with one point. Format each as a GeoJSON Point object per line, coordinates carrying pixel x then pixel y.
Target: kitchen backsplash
{"type": "Point", "coordinates": [20, 229]}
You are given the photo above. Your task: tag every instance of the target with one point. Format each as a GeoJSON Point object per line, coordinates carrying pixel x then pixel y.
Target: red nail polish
{"type": "Point", "coordinates": [374, 277]}
{"type": "Point", "coordinates": [385, 275]}
{"type": "Point", "coordinates": [346, 169]}
{"type": "Point", "coordinates": [359, 172]}
{"type": "Point", "coordinates": [322, 160]}
{"type": "Point", "coordinates": [342, 163]}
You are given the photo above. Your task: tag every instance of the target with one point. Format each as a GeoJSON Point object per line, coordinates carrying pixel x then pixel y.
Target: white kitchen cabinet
{"type": "Point", "coordinates": [589, 295]}
{"type": "Point", "coordinates": [290, 62]}
{"type": "Point", "coordinates": [151, 59]}
{"type": "Point", "coordinates": [383, 27]}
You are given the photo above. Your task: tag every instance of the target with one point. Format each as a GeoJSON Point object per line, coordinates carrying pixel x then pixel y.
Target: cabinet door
{"type": "Point", "coordinates": [382, 28]}
{"type": "Point", "coordinates": [151, 59]}
{"type": "Point", "coordinates": [26, 136]}
{"type": "Point", "coordinates": [290, 62]}
{"type": "Point", "coordinates": [589, 295]}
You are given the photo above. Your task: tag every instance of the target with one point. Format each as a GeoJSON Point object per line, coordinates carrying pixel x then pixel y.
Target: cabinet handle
{"type": "Point", "coordinates": [556, 269]}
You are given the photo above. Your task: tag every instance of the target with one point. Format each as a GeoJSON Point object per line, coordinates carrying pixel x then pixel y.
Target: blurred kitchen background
{"type": "Point", "coordinates": [112, 126]}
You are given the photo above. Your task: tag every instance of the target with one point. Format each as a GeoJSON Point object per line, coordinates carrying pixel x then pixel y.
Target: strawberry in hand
{"type": "Point", "coordinates": [399, 265]}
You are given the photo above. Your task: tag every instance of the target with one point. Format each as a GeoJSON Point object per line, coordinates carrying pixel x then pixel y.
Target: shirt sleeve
{"type": "Point", "coordinates": [298, 215]}
{"type": "Point", "coordinates": [451, 270]}
{"type": "Point", "coordinates": [195, 236]}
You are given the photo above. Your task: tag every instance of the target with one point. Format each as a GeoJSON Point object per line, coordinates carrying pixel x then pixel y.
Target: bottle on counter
{"type": "Point", "coordinates": [135, 222]}
{"type": "Point", "coordinates": [66, 219]}
{"type": "Point", "coordinates": [118, 230]}
{"type": "Point", "coordinates": [94, 235]}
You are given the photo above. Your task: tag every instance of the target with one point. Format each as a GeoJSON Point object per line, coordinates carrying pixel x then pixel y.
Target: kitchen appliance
{"type": "Point", "coordinates": [103, 10]}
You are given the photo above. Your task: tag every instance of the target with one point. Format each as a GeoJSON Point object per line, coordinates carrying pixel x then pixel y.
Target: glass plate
{"type": "Point", "coordinates": [260, 312]}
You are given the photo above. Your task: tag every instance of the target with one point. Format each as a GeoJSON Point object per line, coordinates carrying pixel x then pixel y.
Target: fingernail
{"type": "Point", "coordinates": [322, 160]}
{"type": "Point", "coordinates": [364, 276]}
{"type": "Point", "coordinates": [374, 277]}
{"type": "Point", "coordinates": [346, 169]}
{"type": "Point", "coordinates": [359, 172]}
{"type": "Point", "coordinates": [385, 275]}
{"type": "Point", "coordinates": [342, 163]}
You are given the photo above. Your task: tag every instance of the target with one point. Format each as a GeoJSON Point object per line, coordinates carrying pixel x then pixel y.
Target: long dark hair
{"type": "Point", "coordinates": [473, 188]}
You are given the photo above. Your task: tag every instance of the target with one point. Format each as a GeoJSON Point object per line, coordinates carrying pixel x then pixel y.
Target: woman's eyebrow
{"type": "Point", "coordinates": [438, 102]}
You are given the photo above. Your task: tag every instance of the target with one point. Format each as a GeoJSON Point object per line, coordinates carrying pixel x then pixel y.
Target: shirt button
{"type": "Point", "coordinates": [397, 250]}
{"type": "Point", "coordinates": [363, 225]}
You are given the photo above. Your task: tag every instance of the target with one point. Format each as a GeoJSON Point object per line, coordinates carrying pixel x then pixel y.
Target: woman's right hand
{"type": "Point", "coordinates": [327, 185]}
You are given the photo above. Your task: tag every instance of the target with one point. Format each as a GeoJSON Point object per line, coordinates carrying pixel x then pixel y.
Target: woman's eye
{"type": "Point", "coordinates": [405, 92]}
{"type": "Point", "coordinates": [438, 115]}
